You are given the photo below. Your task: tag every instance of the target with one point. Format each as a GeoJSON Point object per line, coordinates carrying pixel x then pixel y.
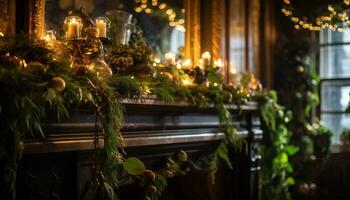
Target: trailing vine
{"type": "Point", "coordinates": [299, 94]}
{"type": "Point", "coordinates": [276, 149]}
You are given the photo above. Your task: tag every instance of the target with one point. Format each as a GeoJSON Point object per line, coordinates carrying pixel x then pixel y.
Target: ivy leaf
{"type": "Point", "coordinates": [291, 150]}
{"type": "Point", "coordinates": [134, 166]}
{"type": "Point", "coordinates": [290, 181]}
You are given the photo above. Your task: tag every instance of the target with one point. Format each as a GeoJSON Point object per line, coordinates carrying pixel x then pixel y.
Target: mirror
{"type": "Point", "coordinates": [162, 21]}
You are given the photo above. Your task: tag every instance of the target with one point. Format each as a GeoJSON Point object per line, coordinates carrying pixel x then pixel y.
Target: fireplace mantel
{"type": "Point", "coordinates": [147, 122]}
{"type": "Point", "coordinates": [153, 130]}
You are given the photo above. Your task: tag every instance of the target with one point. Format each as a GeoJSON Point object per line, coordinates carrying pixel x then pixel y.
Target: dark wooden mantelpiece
{"type": "Point", "coordinates": [152, 131]}
{"type": "Point", "coordinates": [147, 122]}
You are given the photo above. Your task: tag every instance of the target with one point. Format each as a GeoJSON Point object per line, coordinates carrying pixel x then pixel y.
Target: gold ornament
{"type": "Point", "coordinates": [150, 176]}
{"type": "Point", "coordinates": [167, 75]}
{"type": "Point", "coordinates": [300, 69]}
{"type": "Point", "coordinates": [58, 84]}
{"type": "Point", "coordinates": [102, 70]}
{"type": "Point", "coordinates": [37, 67]}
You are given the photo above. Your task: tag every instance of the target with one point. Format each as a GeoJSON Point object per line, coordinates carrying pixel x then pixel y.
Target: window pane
{"type": "Point", "coordinates": [335, 61]}
{"type": "Point", "coordinates": [335, 95]}
{"type": "Point", "coordinates": [328, 36]}
{"type": "Point", "coordinates": [337, 123]}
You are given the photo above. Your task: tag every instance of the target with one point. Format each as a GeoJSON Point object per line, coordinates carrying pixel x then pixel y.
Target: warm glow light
{"type": "Point", "coordinates": [23, 63]}
{"type": "Point", "coordinates": [187, 63]}
{"type": "Point", "coordinates": [157, 60]}
{"type": "Point", "coordinates": [186, 82]}
{"type": "Point", "coordinates": [327, 21]}
{"type": "Point", "coordinates": [181, 28]}
{"type": "Point", "coordinates": [138, 9]}
{"type": "Point", "coordinates": [169, 12]}
{"type": "Point", "coordinates": [162, 6]}
{"type": "Point", "coordinates": [206, 58]}
{"type": "Point", "coordinates": [200, 63]}
{"type": "Point", "coordinates": [148, 10]}
{"type": "Point", "coordinates": [178, 66]}
{"type": "Point", "coordinates": [73, 27]}
{"type": "Point", "coordinates": [170, 58]}
{"type": "Point", "coordinates": [219, 63]}
{"type": "Point", "coordinates": [1, 34]}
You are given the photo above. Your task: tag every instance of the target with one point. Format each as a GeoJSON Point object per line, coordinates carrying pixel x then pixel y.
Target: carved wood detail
{"type": "Point", "coordinates": [193, 30]}
{"type": "Point", "coordinates": [37, 17]}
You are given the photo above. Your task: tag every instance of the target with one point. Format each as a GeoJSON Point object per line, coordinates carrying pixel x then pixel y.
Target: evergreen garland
{"type": "Point", "coordinates": [42, 83]}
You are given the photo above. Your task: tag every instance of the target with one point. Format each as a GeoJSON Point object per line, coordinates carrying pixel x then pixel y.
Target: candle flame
{"type": "Point", "coordinates": [218, 63]}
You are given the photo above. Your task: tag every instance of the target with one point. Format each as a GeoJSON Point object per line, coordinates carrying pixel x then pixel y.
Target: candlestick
{"type": "Point", "coordinates": [206, 59]}
{"type": "Point", "coordinates": [170, 58]}
{"type": "Point", "coordinates": [101, 25]}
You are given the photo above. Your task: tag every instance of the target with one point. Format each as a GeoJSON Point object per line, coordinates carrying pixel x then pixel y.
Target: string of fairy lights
{"type": "Point", "coordinates": [149, 6]}
{"type": "Point", "coordinates": [333, 18]}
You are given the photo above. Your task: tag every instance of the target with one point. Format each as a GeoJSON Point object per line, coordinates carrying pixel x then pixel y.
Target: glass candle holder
{"type": "Point", "coordinates": [50, 36]}
{"type": "Point", "coordinates": [73, 26]}
{"type": "Point", "coordinates": [120, 26]}
{"type": "Point", "coordinates": [102, 25]}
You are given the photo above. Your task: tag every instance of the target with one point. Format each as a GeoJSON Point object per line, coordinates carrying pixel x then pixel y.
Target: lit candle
{"type": "Point", "coordinates": [101, 26]}
{"type": "Point", "coordinates": [200, 63]}
{"type": "Point", "coordinates": [73, 28]}
{"type": "Point", "coordinates": [218, 63]}
{"type": "Point", "coordinates": [50, 38]}
{"type": "Point", "coordinates": [178, 66]}
{"type": "Point", "coordinates": [206, 58]}
{"type": "Point", "coordinates": [170, 58]}
{"type": "Point", "coordinates": [187, 64]}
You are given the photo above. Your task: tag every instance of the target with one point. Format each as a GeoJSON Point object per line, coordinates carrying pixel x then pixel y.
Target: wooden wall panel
{"type": "Point", "coordinates": [7, 16]}
{"type": "Point", "coordinates": [193, 30]}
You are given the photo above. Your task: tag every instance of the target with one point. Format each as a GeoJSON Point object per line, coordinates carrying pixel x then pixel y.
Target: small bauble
{"type": "Point", "coordinates": [103, 70]}
{"type": "Point", "coordinates": [167, 75]}
{"type": "Point", "coordinates": [152, 189]}
{"type": "Point", "coordinates": [58, 84]}
{"type": "Point", "coordinates": [300, 69]}
{"type": "Point", "coordinates": [150, 176]}
{"type": "Point", "coordinates": [37, 67]}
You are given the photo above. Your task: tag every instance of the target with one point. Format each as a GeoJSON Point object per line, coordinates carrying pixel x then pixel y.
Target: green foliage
{"type": "Point", "coordinates": [23, 112]}
{"type": "Point", "coordinates": [299, 94]}
{"type": "Point", "coordinates": [126, 86]}
{"type": "Point", "coordinates": [134, 166]}
{"type": "Point", "coordinates": [276, 149]}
